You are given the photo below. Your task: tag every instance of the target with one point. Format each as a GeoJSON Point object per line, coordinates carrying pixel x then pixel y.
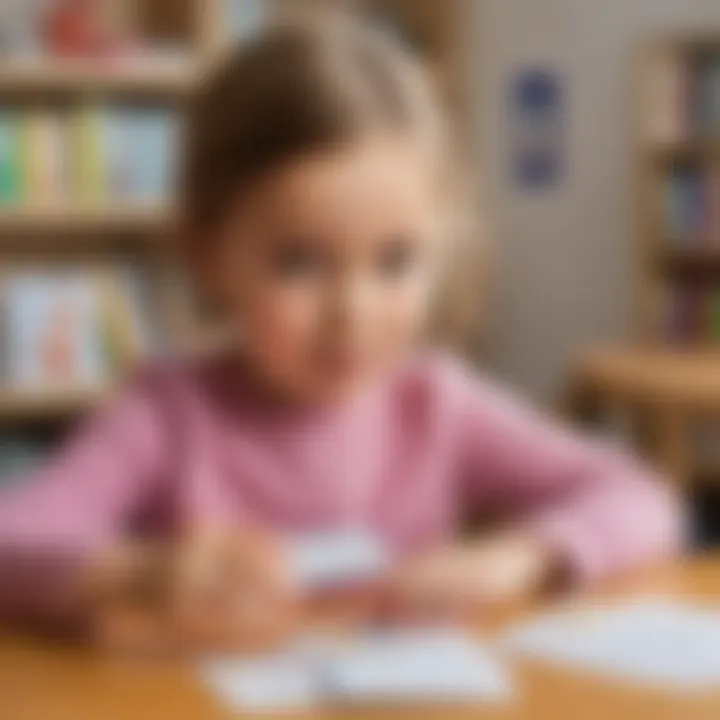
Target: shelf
{"type": "Point", "coordinates": [687, 150]}
{"type": "Point", "coordinates": [64, 76]}
{"type": "Point", "coordinates": [18, 405]}
{"type": "Point", "coordinates": [691, 260]}
{"type": "Point", "coordinates": [144, 219]}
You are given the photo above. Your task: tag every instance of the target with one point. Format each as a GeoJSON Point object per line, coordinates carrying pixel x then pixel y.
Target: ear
{"type": "Point", "coordinates": [200, 269]}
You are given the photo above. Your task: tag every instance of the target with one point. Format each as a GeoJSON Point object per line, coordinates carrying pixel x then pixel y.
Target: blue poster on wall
{"type": "Point", "coordinates": [537, 115]}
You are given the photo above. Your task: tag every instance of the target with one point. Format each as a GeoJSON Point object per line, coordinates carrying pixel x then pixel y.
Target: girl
{"type": "Point", "coordinates": [313, 217]}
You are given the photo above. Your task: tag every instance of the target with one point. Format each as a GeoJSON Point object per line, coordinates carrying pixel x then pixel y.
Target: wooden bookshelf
{"type": "Point", "coordinates": [667, 383]}
{"type": "Point", "coordinates": [73, 232]}
{"type": "Point", "coordinates": [200, 30]}
{"type": "Point", "coordinates": [138, 77]}
{"type": "Point", "coordinates": [673, 139]}
{"type": "Point", "coordinates": [24, 406]}
{"type": "Point", "coordinates": [98, 220]}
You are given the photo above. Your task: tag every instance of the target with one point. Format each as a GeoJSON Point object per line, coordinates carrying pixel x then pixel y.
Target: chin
{"type": "Point", "coordinates": [338, 390]}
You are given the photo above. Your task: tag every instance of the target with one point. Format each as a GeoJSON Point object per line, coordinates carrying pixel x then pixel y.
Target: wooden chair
{"type": "Point", "coordinates": [664, 393]}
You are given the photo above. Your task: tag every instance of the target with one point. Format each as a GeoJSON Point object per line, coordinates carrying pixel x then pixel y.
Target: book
{"type": "Point", "coordinates": [94, 156]}
{"type": "Point", "coordinates": [131, 330]}
{"type": "Point", "coordinates": [693, 313]}
{"type": "Point", "coordinates": [118, 154]}
{"type": "Point", "coordinates": [712, 206]}
{"type": "Point", "coordinates": [20, 31]}
{"type": "Point", "coordinates": [52, 326]}
{"type": "Point", "coordinates": [715, 316]}
{"type": "Point", "coordinates": [86, 145]}
{"type": "Point", "coordinates": [707, 96]}
{"type": "Point", "coordinates": [685, 205]}
{"type": "Point", "coordinates": [11, 176]}
{"type": "Point", "coordinates": [154, 138]}
{"type": "Point", "coordinates": [46, 158]}
{"type": "Point", "coordinates": [244, 18]}
{"type": "Point", "coordinates": [75, 328]}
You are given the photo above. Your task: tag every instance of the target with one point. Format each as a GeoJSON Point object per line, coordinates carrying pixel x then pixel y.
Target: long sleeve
{"type": "Point", "coordinates": [599, 507]}
{"type": "Point", "coordinates": [56, 520]}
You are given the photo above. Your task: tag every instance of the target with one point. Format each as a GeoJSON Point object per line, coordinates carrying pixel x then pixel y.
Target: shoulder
{"type": "Point", "coordinates": [445, 381]}
{"type": "Point", "coordinates": [431, 383]}
{"type": "Point", "coordinates": [440, 375]}
{"type": "Point", "coordinates": [168, 385]}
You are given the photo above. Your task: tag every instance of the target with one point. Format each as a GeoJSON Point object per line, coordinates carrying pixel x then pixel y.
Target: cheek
{"type": "Point", "coordinates": [407, 309]}
{"type": "Point", "coordinates": [283, 320]}
{"type": "Point", "coordinates": [408, 300]}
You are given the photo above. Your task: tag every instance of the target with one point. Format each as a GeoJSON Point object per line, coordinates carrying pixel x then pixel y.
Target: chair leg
{"type": "Point", "coordinates": [672, 447]}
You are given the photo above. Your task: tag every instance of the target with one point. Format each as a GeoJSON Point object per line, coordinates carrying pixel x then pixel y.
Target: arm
{"type": "Point", "coordinates": [597, 510]}
{"type": "Point", "coordinates": [56, 525]}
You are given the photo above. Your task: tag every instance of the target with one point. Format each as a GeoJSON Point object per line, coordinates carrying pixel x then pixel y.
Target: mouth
{"type": "Point", "coordinates": [341, 363]}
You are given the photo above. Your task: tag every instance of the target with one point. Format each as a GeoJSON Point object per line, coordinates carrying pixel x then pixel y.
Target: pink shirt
{"type": "Point", "coordinates": [190, 446]}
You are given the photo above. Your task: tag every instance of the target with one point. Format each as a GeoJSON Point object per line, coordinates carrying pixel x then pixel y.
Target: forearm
{"type": "Point", "coordinates": [623, 518]}
{"type": "Point", "coordinates": [64, 590]}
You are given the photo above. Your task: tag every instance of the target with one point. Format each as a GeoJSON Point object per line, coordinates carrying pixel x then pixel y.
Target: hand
{"type": "Point", "coordinates": [455, 579]}
{"type": "Point", "coordinates": [212, 591]}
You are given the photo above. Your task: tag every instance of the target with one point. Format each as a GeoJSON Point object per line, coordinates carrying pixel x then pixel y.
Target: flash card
{"type": "Point", "coordinates": [654, 641]}
{"type": "Point", "coordinates": [333, 559]}
{"type": "Point", "coordinates": [426, 666]}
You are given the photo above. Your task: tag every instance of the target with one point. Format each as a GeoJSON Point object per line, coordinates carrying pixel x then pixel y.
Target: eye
{"type": "Point", "coordinates": [298, 259]}
{"type": "Point", "coordinates": [397, 257]}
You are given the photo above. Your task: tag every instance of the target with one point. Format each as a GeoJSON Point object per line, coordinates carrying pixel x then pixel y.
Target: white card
{"type": "Point", "coordinates": [335, 558]}
{"type": "Point", "coordinates": [284, 680]}
{"type": "Point", "coordinates": [420, 666]}
{"type": "Point", "coordinates": [417, 666]}
{"type": "Point", "coordinates": [653, 641]}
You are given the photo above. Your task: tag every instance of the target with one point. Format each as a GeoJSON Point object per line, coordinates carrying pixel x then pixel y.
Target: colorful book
{"type": "Point", "coordinates": [87, 143]}
{"type": "Point", "coordinates": [154, 134]}
{"type": "Point", "coordinates": [11, 168]}
{"type": "Point", "coordinates": [47, 157]}
{"type": "Point", "coordinates": [53, 323]}
{"type": "Point", "coordinates": [128, 330]}
{"type": "Point", "coordinates": [118, 154]}
{"type": "Point", "coordinates": [685, 205]}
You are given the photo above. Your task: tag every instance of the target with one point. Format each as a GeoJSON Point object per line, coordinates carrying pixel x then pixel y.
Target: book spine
{"type": "Point", "coordinates": [687, 206]}
{"type": "Point", "coordinates": [713, 206]}
{"type": "Point", "coordinates": [41, 158]}
{"type": "Point", "coordinates": [89, 178]}
{"type": "Point", "coordinates": [716, 315]}
{"type": "Point", "coordinates": [11, 170]}
{"type": "Point", "coordinates": [117, 155]}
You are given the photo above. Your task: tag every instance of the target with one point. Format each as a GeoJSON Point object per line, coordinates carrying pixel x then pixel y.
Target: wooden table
{"type": "Point", "coordinates": [45, 683]}
{"type": "Point", "coordinates": [667, 391]}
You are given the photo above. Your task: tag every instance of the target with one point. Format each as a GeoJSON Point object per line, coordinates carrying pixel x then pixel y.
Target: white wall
{"type": "Point", "coordinates": [565, 260]}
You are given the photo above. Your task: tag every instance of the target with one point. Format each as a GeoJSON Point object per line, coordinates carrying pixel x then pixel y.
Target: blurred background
{"type": "Point", "coordinates": [591, 135]}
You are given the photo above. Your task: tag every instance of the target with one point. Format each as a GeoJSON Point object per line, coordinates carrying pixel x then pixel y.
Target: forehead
{"type": "Point", "coordinates": [372, 179]}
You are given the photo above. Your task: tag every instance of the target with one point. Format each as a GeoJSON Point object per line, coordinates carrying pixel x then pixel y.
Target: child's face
{"type": "Point", "coordinates": [325, 266]}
